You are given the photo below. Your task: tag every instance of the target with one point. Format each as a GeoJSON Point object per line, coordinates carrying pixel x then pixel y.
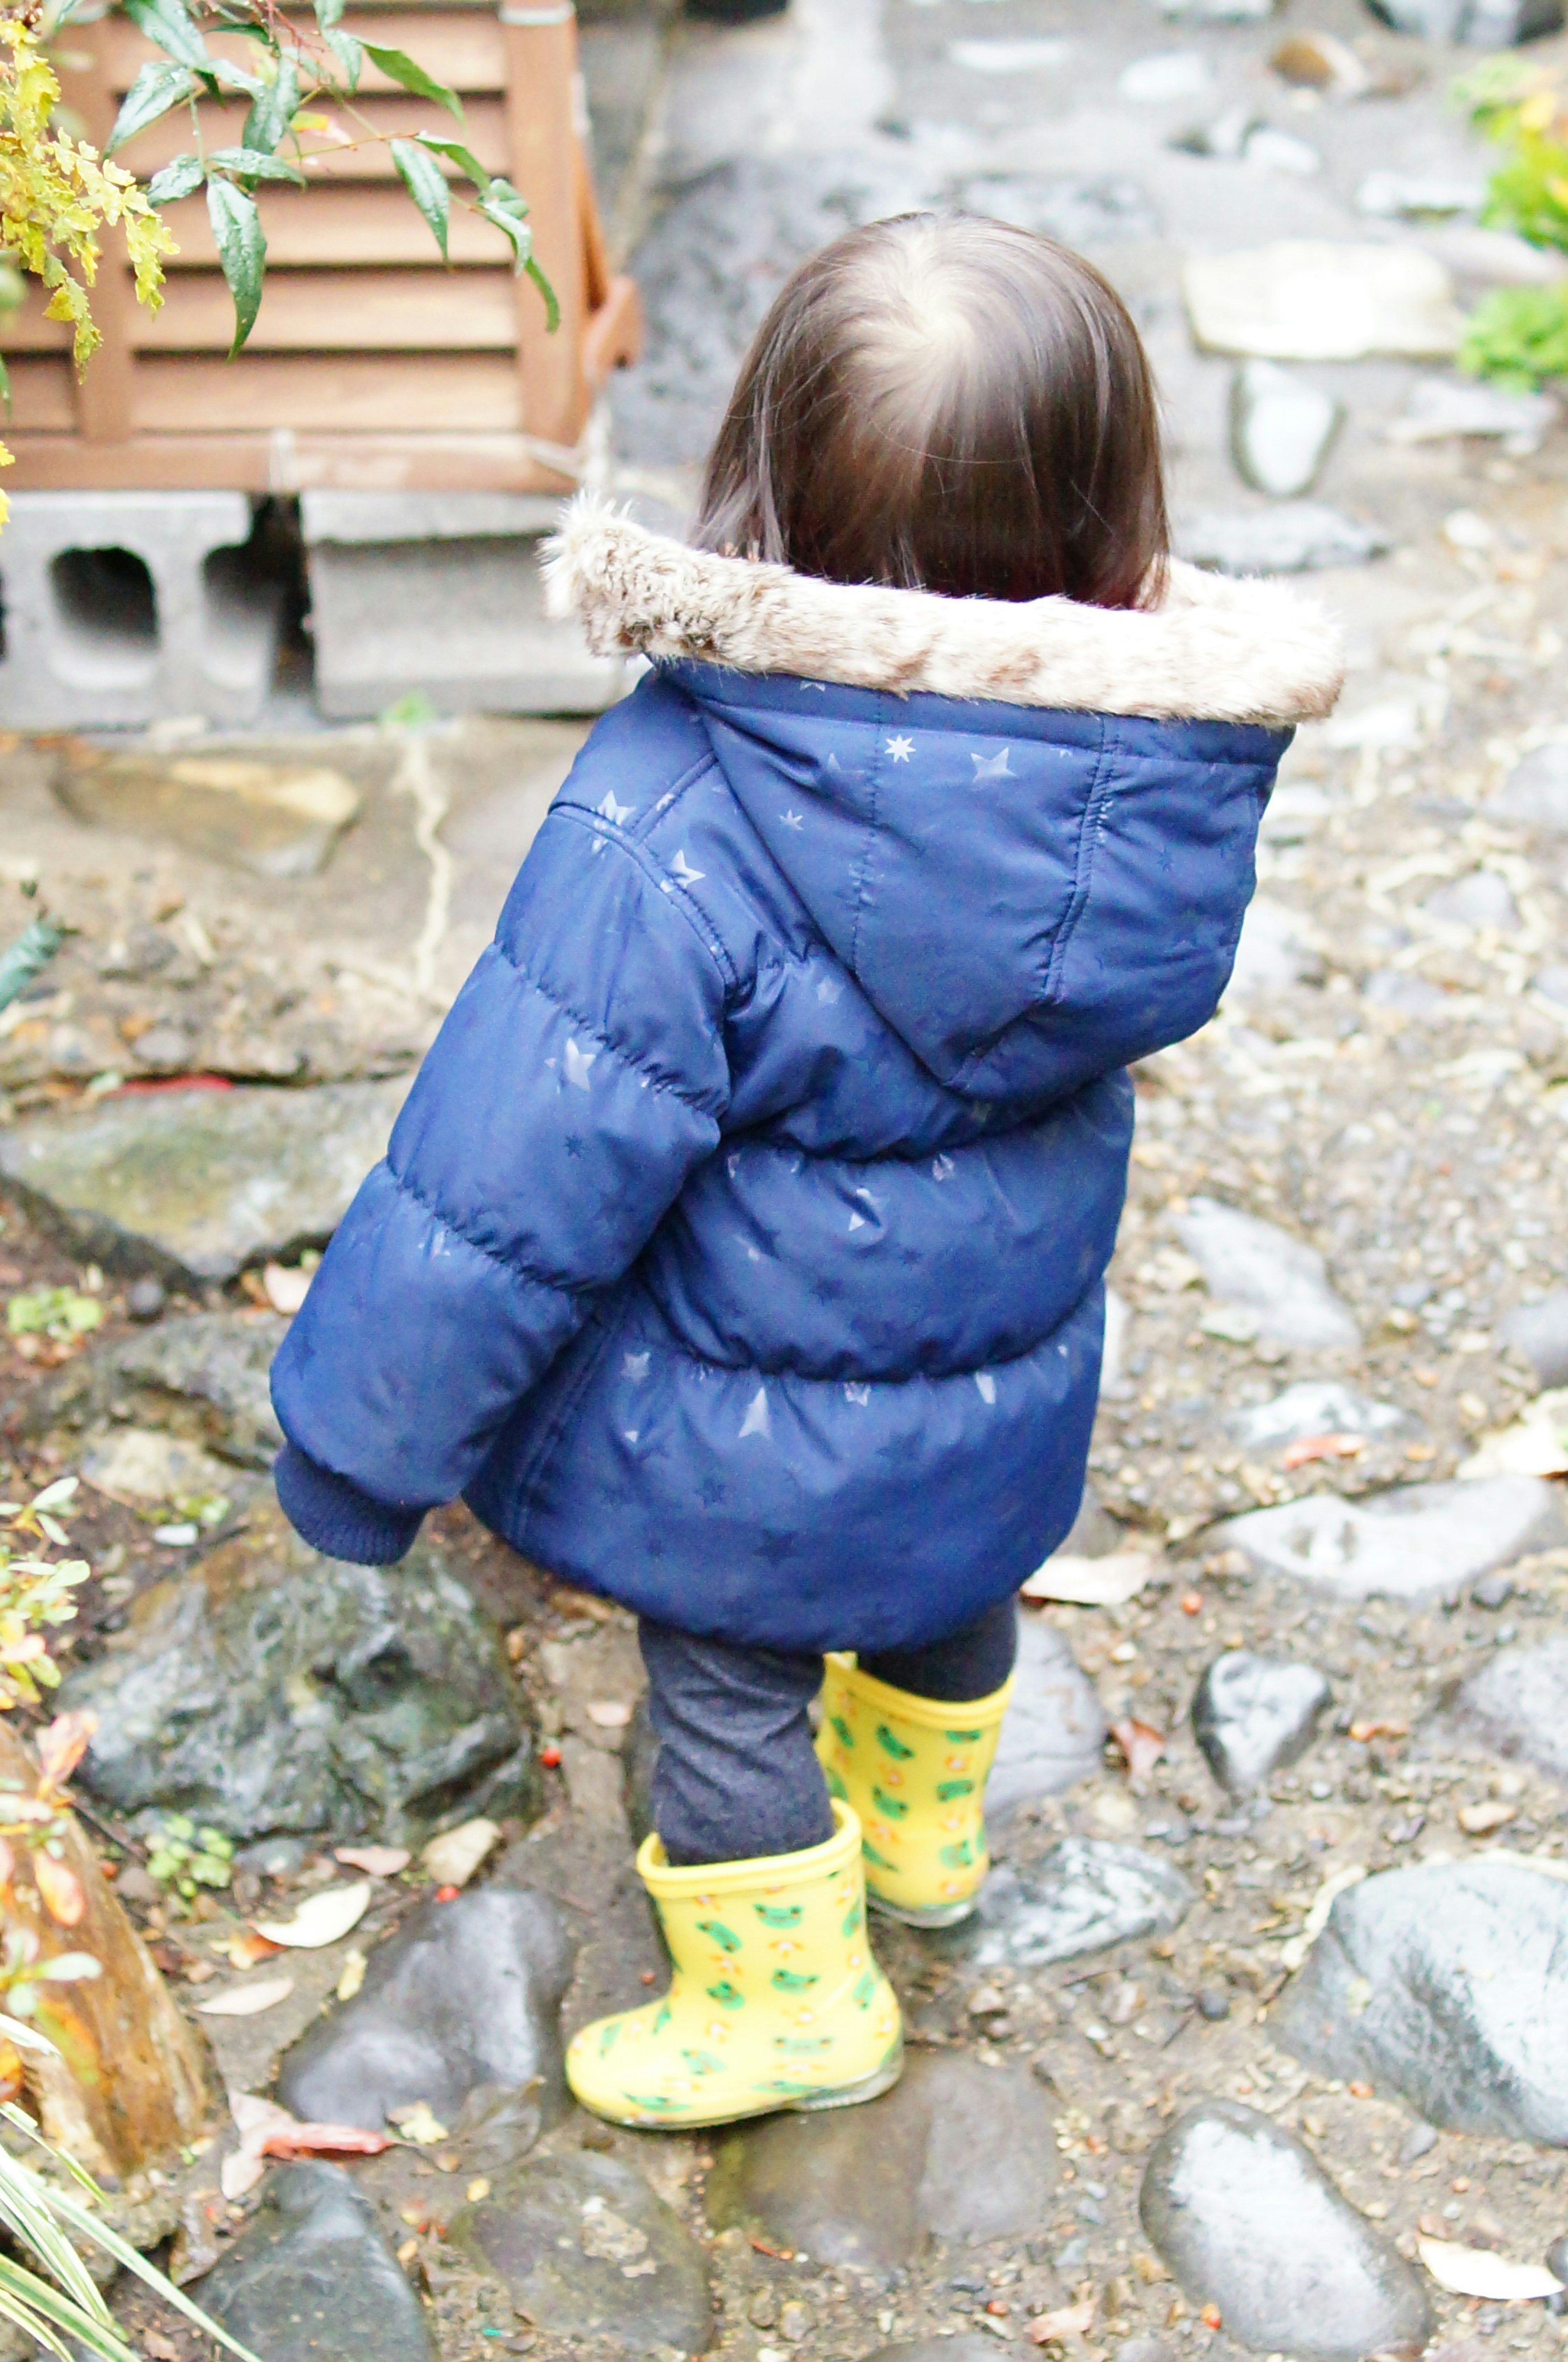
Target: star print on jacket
{"type": "Point", "coordinates": [900, 750]}
{"type": "Point", "coordinates": [991, 766]}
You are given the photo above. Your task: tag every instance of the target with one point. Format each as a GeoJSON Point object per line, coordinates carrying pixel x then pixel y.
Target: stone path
{"type": "Point", "coordinates": [1257, 2043]}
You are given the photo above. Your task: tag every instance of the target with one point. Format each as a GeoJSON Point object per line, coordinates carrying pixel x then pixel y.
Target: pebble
{"type": "Point", "coordinates": [1418, 2142]}
{"type": "Point", "coordinates": [1540, 1331]}
{"type": "Point", "coordinates": [1517, 1704]}
{"type": "Point", "coordinates": [1536, 791]}
{"type": "Point", "coordinates": [1553, 983]}
{"type": "Point", "coordinates": [1276, 952]}
{"type": "Point", "coordinates": [1416, 1541]}
{"type": "Point", "coordinates": [1055, 1727]}
{"type": "Point", "coordinates": [954, 2151]}
{"type": "Point", "coordinates": [586, 2250]}
{"type": "Point", "coordinates": [465, 1996]}
{"type": "Point", "coordinates": [310, 2278]}
{"type": "Point", "coordinates": [1480, 900]}
{"type": "Point", "coordinates": [1160, 80]}
{"type": "Point", "coordinates": [1253, 1263]}
{"type": "Point", "coordinates": [1293, 537]}
{"type": "Point", "coordinates": [1248, 2221]}
{"type": "Point", "coordinates": [194, 1184]}
{"type": "Point", "coordinates": [146, 1297]}
{"type": "Point", "coordinates": [1405, 196]}
{"type": "Point", "coordinates": [1315, 1407]}
{"type": "Point", "coordinates": [1448, 1984]}
{"type": "Point", "coordinates": [268, 1691]}
{"type": "Point", "coordinates": [1213, 2004]}
{"type": "Point", "coordinates": [1252, 1716]}
{"type": "Point", "coordinates": [1281, 426]}
{"type": "Point", "coordinates": [962, 2348]}
{"type": "Point", "coordinates": [1085, 1894]}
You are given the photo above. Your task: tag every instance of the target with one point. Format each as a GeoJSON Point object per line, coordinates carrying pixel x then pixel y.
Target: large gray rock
{"type": "Point", "coordinates": [1481, 24]}
{"type": "Point", "coordinates": [1518, 1705]}
{"type": "Point", "coordinates": [268, 1689]}
{"type": "Point", "coordinates": [1448, 1984]}
{"type": "Point", "coordinates": [1417, 1542]}
{"type": "Point", "coordinates": [310, 2278]}
{"type": "Point", "coordinates": [466, 1995]}
{"type": "Point", "coordinates": [1536, 791]}
{"type": "Point", "coordinates": [1255, 1264]}
{"type": "Point", "coordinates": [202, 1374]}
{"type": "Point", "coordinates": [194, 1184]}
{"type": "Point", "coordinates": [954, 2151]}
{"type": "Point", "coordinates": [1253, 1714]}
{"type": "Point", "coordinates": [1247, 2220]}
{"type": "Point", "coordinates": [1315, 1407]}
{"type": "Point", "coordinates": [1480, 900]}
{"type": "Point", "coordinates": [1085, 1894]}
{"type": "Point", "coordinates": [1281, 427]}
{"type": "Point", "coordinates": [1540, 1331]}
{"type": "Point", "coordinates": [1293, 537]}
{"type": "Point", "coordinates": [587, 2250]}
{"type": "Point", "coordinates": [1054, 1726]}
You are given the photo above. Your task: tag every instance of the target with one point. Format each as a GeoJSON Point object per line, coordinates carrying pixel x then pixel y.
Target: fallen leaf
{"type": "Point", "coordinates": [324, 2140]}
{"type": "Point", "coordinates": [610, 1714]}
{"type": "Point", "coordinates": [62, 1746]}
{"type": "Point", "coordinates": [1323, 1447]}
{"type": "Point", "coordinates": [324, 1918]}
{"type": "Point", "coordinates": [417, 2123]}
{"type": "Point", "coordinates": [452, 1859]}
{"type": "Point", "coordinates": [376, 1862]}
{"type": "Point", "coordinates": [353, 1975]}
{"type": "Point", "coordinates": [1072, 2321]}
{"type": "Point", "coordinates": [1476, 2271]}
{"type": "Point", "coordinates": [159, 2348]}
{"type": "Point", "coordinates": [254, 2118]}
{"type": "Point", "coordinates": [1365, 1728]}
{"type": "Point", "coordinates": [477, 2187]}
{"type": "Point", "coordinates": [244, 1950]}
{"type": "Point", "coordinates": [1141, 1743]}
{"type": "Point", "coordinates": [1535, 1445]}
{"type": "Point", "coordinates": [60, 1888]}
{"type": "Point", "coordinates": [247, 2000]}
{"type": "Point", "coordinates": [1092, 1582]}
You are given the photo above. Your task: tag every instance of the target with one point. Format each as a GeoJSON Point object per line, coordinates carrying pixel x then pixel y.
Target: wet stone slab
{"type": "Point", "coordinates": [1083, 1896]}
{"type": "Point", "coordinates": [1265, 1270]}
{"type": "Point", "coordinates": [194, 1184]}
{"type": "Point", "coordinates": [1415, 1543]}
{"type": "Point", "coordinates": [310, 2278]}
{"type": "Point", "coordinates": [1248, 2221]}
{"type": "Point", "coordinates": [1448, 1984]}
{"type": "Point", "coordinates": [954, 2151]}
{"type": "Point", "coordinates": [1054, 1725]}
{"type": "Point", "coordinates": [203, 1375]}
{"type": "Point", "coordinates": [1252, 1716]}
{"type": "Point", "coordinates": [586, 2250]}
{"type": "Point", "coordinates": [1517, 1706]}
{"type": "Point", "coordinates": [464, 1999]}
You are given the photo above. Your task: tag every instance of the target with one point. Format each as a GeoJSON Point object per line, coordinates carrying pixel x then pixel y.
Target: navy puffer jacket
{"type": "Point", "coordinates": [739, 1249]}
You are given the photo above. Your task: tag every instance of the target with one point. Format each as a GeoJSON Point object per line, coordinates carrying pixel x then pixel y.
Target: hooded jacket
{"type": "Point", "coordinates": [739, 1250]}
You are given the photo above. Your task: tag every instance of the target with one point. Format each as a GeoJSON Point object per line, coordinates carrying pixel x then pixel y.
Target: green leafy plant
{"type": "Point", "coordinates": [1519, 336]}
{"type": "Point", "coordinates": [295, 72]}
{"type": "Point", "coordinates": [59, 1313]}
{"type": "Point", "coordinates": [185, 1857]}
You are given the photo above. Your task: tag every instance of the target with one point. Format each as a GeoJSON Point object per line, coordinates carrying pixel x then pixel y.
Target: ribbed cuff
{"type": "Point", "coordinates": [335, 1518]}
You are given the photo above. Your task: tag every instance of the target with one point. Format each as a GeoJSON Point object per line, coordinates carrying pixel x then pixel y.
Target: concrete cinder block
{"type": "Point", "coordinates": [121, 607]}
{"type": "Point", "coordinates": [440, 592]}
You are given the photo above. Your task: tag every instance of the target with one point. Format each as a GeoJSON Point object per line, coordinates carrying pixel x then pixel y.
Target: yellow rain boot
{"type": "Point", "coordinates": [776, 2000]}
{"type": "Point", "coordinates": [913, 1770]}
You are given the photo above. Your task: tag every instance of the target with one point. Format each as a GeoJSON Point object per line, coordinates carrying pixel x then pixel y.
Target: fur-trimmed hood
{"type": "Point", "coordinates": [1213, 650]}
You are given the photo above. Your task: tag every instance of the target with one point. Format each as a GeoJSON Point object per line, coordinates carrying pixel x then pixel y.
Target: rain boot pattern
{"type": "Point", "coordinates": [776, 2000]}
{"type": "Point", "coordinates": [913, 1770]}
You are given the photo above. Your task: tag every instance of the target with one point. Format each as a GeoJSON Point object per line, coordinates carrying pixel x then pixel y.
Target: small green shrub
{"type": "Point", "coordinates": [1519, 336]}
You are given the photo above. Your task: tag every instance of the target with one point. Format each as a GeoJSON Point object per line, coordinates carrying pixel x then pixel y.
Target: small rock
{"type": "Point", "coordinates": [1415, 1541]}
{"type": "Point", "coordinates": [1225, 136]}
{"type": "Point", "coordinates": [164, 1049]}
{"type": "Point", "coordinates": [275, 820]}
{"type": "Point", "coordinates": [1480, 900]}
{"type": "Point", "coordinates": [1306, 300]}
{"type": "Point", "coordinates": [1412, 995]}
{"type": "Point", "coordinates": [1319, 61]}
{"type": "Point", "coordinates": [310, 2278]}
{"type": "Point", "coordinates": [1161, 80]}
{"type": "Point", "coordinates": [1536, 791]}
{"type": "Point", "coordinates": [1540, 1331]}
{"type": "Point", "coordinates": [1250, 1716]}
{"type": "Point", "coordinates": [954, 2151]}
{"type": "Point", "coordinates": [1296, 537]}
{"type": "Point", "coordinates": [1553, 983]}
{"type": "Point", "coordinates": [1219, 12]}
{"type": "Point", "coordinates": [1447, 1982]}
{"type": "Point", "coordinates": [1492, 1590]}
{"type": "Point", "coordinates": [1248, 2221]}
{"type": "Point", "coordinates": [141, 1466]}
{"type": "Point", "coordinates": [1418, 2142]}
{"type": "Point", "coordinates": [1442, 408]}
{"type": "Point", "coordinates": [794, 2320]}
{"type": "Point", "coordinates": [1281, 427]}
{"type": "Point", "coordinates": [1557, 2259]}
{"type": "Point", "coordinates": [1316, 1407]}
{"type": "Point", "coordinates": [1213, 2004]}
{"type": "Point", "coordinates": [1416, 196]}
{"type": "Point", "coordinates": [962, 2348]}
{"type": "Point", "coordinates": [1481, 24]}
{"type": "Point", "coordinates": [1279, 151]}
{"type": "Point", "coordinates": [1055, 1727]}
{"type": "Point", "coordinates": [560, 2231]}
{"type": "Point", "coordinates": [194, 1184]}
{"type": "Point", "coordinates": [146, 1297]}
{"type": "Point", "coordinates": [268, 1690]}
{"type": "Point", "coordinates": [203, 1375]}
{"type": "Point", "coordinates": [1249, 1262]}
{"type": "Point", "coordinates": [1084, 1895]}
{"type": "Point", "coordinates": [1276, 952]}
{"type": "Point", "coordinates": [1517, 1705]}
{"type": "Point", "coordinates": [464, 1996]}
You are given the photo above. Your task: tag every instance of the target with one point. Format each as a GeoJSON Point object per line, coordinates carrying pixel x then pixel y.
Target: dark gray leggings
{"type": "Point", "coordinates": [736, 1776]}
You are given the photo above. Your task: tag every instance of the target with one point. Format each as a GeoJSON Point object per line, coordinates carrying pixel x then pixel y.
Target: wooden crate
{"type": "Point", "coordinates": [371, 366]}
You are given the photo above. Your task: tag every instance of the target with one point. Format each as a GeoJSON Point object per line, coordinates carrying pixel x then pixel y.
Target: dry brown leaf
{"type": "Point", "coordinates": [1072, 2321]}
{"type": "Point", "coordinates": [1141, 1744]}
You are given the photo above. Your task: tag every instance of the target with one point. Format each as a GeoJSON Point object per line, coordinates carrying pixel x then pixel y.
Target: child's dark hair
{"type": "Point", "coordinates": [943, 402]}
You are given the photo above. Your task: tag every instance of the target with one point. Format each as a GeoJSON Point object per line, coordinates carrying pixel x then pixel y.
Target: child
{"type": "Point", "coordinates": [739, 1250]}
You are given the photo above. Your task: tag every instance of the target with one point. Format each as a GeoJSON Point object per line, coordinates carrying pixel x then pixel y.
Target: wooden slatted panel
{"type": "Point", "coordinates": [360, 393]}
{"type": "Point", "coordinates": [337, 227]}
{"type": "Point", "coordinates": [43, 396]}
{"type": "Point", "coordinates": [468, 47]}
{"type": "Point", "coordinates": [484, 130]}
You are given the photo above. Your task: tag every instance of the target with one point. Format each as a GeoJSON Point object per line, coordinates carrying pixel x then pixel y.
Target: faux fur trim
{"type": "Point", "coordinates": [1214, 650]}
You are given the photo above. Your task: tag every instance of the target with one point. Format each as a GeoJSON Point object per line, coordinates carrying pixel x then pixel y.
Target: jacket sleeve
{"type": "Point", "coordinates": [578, 1077]}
